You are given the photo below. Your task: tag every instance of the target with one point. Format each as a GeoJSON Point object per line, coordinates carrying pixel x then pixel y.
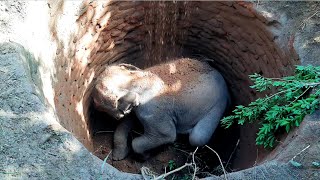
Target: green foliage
{"type": "Point", "coordinates": [186, 177]}
{"type": "Point", "coordinates": [296, 97]}
{"type": "Point", "coordinates": [316, 164]}
{"type": "Point", "coordinates": [172, 165]}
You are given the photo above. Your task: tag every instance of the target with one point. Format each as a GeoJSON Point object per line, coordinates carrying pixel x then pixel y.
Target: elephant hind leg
{"type": "Point", "coordinates": [203, 130]}
{"type": "Point", "coordinates": [142, 144]}
{"type": "Point", "coordinates": [159, 129]}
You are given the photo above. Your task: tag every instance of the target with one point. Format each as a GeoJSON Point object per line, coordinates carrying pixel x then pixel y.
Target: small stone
{"type": "Point", "coordinates": [317, 39]}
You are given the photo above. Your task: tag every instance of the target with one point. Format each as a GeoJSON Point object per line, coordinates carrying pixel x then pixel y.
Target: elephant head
{"type": "Point", "coordinates": [111, 95]}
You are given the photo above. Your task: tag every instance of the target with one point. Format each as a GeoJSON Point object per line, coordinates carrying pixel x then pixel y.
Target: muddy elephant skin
{"type": "Point", "coordinates": [184, 96]}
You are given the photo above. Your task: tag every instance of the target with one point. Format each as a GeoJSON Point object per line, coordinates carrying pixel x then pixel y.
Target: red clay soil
{"type": "Point", "coordinates": [157, 163]}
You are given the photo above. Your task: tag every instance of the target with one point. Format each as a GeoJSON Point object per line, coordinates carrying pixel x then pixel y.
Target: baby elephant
{"type": "Point", "coordinates": [184, 96]}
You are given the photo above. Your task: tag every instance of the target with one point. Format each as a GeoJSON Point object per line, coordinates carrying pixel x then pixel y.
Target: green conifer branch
{"type": "Point", "coordinates": [296, 97]}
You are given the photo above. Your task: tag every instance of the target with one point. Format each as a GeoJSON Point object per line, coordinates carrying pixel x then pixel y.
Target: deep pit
{"type": "Point", "coordinates": [236, 39]}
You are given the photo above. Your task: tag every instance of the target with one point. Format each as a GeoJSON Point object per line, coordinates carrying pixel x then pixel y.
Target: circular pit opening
{"type": "Point", "coordinates": [237, 40]}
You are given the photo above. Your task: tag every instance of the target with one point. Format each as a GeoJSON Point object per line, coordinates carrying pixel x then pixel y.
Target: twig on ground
{"type": "Point", "coordinates": [147, 173]}
{"type": "Point", "coordinates": [104, 162]}
{"type": "Point", "coordinates": [303, 24]}
{"type": "Point", "coordinates": [137, 132]}
{"type": "Point", "coordinates": [173, 171]}
{"type": "Point", "coordinates": [234, 150]}
{"type": "Point", "coordinates": [224, 171]}
{"type": "Point", "coordinates": [194, 164]}
{"type": "Point", "coordinates": [173, 177]}
{"type": "Point", "coordinates": [97, 149]}
{"type": "Point", "coordinates": [100, 132]}
{"type": "Point", "coordinates": [181, 150]}
{"type": "Point", "coordinates": [300, 152]}
{"type": "Point", "coordinates": [188, 153]}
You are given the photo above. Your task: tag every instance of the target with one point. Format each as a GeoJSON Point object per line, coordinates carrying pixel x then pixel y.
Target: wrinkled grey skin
{"type": "Point", "coordinates": [183, 96]}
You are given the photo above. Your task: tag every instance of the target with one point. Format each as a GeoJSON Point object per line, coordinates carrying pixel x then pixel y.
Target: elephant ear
{"type": "Point", "coordinates": [127, 102]}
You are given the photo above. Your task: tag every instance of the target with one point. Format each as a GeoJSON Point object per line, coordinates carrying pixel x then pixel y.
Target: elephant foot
{"type": "Point", "coordinates": [120, 153]}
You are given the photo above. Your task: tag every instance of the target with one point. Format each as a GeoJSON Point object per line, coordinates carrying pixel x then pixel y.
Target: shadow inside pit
{"type": "Point", "coordinates": [224, 142]}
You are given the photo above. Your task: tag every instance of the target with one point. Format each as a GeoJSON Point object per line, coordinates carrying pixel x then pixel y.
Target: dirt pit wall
{"type": "Point", "coordinates": [74, 40]}
{"type": "Point", "coordinates": [233, 36]}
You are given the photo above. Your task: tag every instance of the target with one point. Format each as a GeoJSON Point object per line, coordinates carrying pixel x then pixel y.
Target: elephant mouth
{"type": "Point", "coordinates": [115, 113]}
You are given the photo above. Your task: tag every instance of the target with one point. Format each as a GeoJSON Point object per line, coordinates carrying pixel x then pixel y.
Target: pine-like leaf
{"type": "Point", "coordinates": [297, 96]}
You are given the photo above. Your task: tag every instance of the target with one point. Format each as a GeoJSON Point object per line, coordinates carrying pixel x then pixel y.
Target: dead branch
{"type": "Point", "coordinates": [173, 171]}
{"type": "Point", "coordinates": [194, 163]}
{"type": "Point", "coordinates": [300, 152]}
{"type": "Point", "coordinates": [234, 150]}
{"type": "Point", "coordinates": [104, 162]}
{"type": "Point", "coordinates": [224, 171]}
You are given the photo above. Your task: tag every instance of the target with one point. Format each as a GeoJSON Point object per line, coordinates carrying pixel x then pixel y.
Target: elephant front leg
{"type": "Point", "coordinates": [120, 139]}
{"type": "Point", "coordinates": [159, 128]}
